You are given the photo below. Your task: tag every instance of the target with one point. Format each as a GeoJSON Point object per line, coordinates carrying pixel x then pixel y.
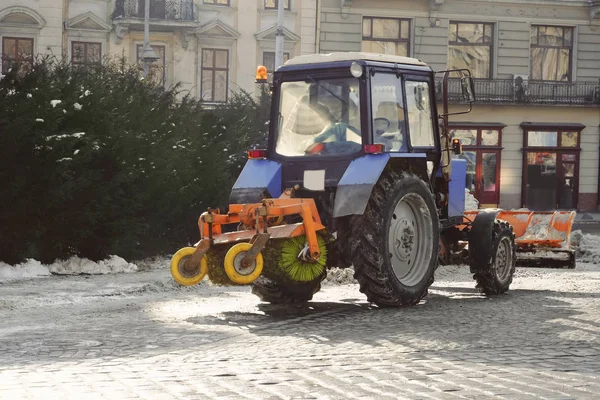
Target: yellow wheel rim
{"type": "Point", "coordinates": [276, 221]}
{"type": "Point", "coordinates": [182, 276]}
{"type": "Point", "coordinates": [233, 264]}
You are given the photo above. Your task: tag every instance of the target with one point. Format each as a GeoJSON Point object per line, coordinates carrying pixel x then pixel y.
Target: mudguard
{"type": "Point", "coordinates": [355, 187]}
{"type": "Point", "coordinates": [259, 179]}
{"type": "Point", "coordinates": [480, 237]}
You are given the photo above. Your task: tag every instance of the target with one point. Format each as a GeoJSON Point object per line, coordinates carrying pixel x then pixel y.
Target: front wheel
{"type": "Point", "coordinates": [496, 275]}
{"type": "Point", "coordinates": [395, 243]}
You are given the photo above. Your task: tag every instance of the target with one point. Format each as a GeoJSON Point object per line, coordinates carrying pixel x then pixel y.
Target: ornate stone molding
{"type": "Point", "coordinates": [121, 31]}
{"type": "Point", "coordinates": [87, 21]}
{"type": "Point", "coordinates": [186, 36]}
{"type": "Point", "coordinates": [36, 21]}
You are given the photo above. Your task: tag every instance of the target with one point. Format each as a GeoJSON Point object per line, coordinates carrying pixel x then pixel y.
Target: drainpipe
{"type": "Point", "coordinates": [279, 35]}
{"type": "Point", "coordinates": [598, 188]}
{"type": "Point", "coordinates": [65, 41]}
{"type": "Point", "coordinates": [318, 35]}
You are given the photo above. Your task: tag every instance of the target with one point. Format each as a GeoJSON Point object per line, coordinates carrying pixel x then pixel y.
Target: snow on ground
{"type": "Point", "coordinates": [471, 202]}
{"type": "Point", "coordinates": [78, 266]}
{"type": "Point", "coordinates": [587, 249]}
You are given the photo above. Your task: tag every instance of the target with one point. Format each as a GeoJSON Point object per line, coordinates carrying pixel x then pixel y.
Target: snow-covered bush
{"type": "Point", "coordinates": [96, 161]}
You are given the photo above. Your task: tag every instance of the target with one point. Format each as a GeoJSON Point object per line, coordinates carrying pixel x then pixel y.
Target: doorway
{"type": "Point", "coordinates": [482, 148]}
{"type": "Point", "coordinates": [551, 168]}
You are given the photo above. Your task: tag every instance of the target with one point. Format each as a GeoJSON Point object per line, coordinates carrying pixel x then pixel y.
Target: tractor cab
{"type": "Point", "coordinates": [342, 105]}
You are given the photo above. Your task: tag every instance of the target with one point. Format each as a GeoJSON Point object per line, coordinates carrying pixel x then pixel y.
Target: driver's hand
{"type": "Point", "coordinates": [315, 148]}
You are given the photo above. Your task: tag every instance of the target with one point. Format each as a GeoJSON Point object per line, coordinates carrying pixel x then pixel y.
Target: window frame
{"type": "Point", "coordinates": [399, 87]}
{"type": "Point", "coordinates": [558, 150]}
{"type": "Point", "coordinates": [214, 3]}
{"type": "Point", "coordinates": [479, 148]}
{"type": "Point", "coordinates": [433, 104]}
{"type": "Point", "coordinates": [538, 46]}
{"type": "Point", "coordinates": [5, 59]}
{"type": "Point", "coordinates": [214, 69]}
{"type": "Point", "coordinates": [370, 38]}
{"type": "Point", "coordinates": [85, 62]}
{"type": "Point", "coordinates": [491, 44]}
{"type": "Point", "coordinates": [285, 54]}
{"type": "Point", "coordinates": [276, 7]}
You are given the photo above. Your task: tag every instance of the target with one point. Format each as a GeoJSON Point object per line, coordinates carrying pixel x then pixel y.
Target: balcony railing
{"type": "Point", "coordinates": [518, 91]}
{"type": "Point", "coordinates": [173, 10]}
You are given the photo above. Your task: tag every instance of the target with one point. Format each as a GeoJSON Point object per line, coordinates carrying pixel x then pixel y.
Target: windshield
{"type": "Point", "coordinates": [319, 117]}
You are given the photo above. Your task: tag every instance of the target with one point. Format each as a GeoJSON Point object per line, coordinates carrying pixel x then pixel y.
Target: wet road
{"type": "Point", "coordinates": [139, 335]}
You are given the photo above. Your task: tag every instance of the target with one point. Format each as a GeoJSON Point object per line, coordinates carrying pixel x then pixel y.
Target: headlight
{"type": "Point", "coordinates": [356, 70]}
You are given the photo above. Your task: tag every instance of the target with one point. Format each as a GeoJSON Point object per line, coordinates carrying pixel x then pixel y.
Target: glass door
{"type": "Point", "coordinates": [481, 150]}
{"type": "Point", "coordinates": [567, 182]}
{"type": "Point", "coordinates": [550, 178]}
{"type": "Point", "coordinates": [488, 178]}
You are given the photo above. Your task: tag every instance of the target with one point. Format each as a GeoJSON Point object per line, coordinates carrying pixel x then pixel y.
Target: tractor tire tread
{"type": "Point", "coordinates": [365, 251]}
{"type": "Point", "coordinates": [484, 275]}
{"type": "Point", "coordinates": [281, 293]}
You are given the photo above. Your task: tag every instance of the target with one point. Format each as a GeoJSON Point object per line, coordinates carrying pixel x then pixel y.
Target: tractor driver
{"type": "Point", "coordinates": [337, 137]}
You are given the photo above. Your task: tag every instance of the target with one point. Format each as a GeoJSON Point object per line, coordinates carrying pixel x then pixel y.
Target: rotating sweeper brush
{"type": "Point", "coordinates": [294, 252]}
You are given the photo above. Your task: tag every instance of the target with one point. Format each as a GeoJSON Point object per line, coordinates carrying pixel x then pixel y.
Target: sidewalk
{"type": "Point", "coordinates": [588, 217]}
{"type": "Point", "coordinates": [587, 222]}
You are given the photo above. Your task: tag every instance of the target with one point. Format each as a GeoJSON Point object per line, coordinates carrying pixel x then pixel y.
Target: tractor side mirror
{"type": "Point", "coordinates": [456, 146]}
{"type": "Point", "coordinates": [468, 88]}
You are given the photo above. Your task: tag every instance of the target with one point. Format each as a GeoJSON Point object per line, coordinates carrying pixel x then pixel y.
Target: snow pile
{"type": "Point", "coordinates": [76, 266]}
{"type": "Point", "coordinates": [28, 269]}
{"type": "Point", "coordinates": [587, 247]}
{"type": "Point", "coordinates": [339, 276]}
{"type": "Point", "coordinates": [471, 202]}
{"type": "Point", "coordinates": [153, 263]}
{"type": "Point", "coordinates": [539, 229]}
{"type": "Point", "coordinates": [73, 266]}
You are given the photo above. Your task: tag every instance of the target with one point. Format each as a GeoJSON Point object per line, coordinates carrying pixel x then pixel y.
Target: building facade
{"type": "Point", "coordinates": [531, 140]}
{"type": "Point", "coordinates": [532, 137]}
{"type": "Point", "coordinates": [210, 47]}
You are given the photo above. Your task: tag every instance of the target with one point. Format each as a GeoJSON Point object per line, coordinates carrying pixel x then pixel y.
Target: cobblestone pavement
{"type": "Point", "coordinates": [140, 336]}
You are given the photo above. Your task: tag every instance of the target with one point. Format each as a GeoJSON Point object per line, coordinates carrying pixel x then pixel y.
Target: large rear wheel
{"type": "Point", "coordinates": [394, 245]}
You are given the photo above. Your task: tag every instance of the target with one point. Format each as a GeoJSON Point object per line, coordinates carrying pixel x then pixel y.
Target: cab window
{"type": "Point", "coordinates": [420, 119]}
{"type": "Point", "coordinates": [389, 123]}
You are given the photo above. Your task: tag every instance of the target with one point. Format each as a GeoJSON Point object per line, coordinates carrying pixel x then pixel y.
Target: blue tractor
{"type": "Point", "coordinates": [358, 172]}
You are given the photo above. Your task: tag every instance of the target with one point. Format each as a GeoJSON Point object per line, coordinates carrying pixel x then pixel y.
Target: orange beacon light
{"type": "Point", "coordinates": [261, 74]}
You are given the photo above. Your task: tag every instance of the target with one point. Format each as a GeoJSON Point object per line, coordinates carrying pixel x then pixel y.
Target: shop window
{"type": "Point", "coordinates": [386, 36]}
{"type": "Point", "coordinates": [470, 45]}
{"type": "Point", "coordinates": [482, 151]}
{"type": "Point", "coordinates": [551, 166]}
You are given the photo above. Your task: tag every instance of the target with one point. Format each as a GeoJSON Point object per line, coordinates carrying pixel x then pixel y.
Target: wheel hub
{"type": "Point", "coordinates": [240, 268]}
{"type": "Point", "coordinates": [189, 272]}
{"type": "Point", "coordinates": [405, 239]}
{"type": "Point", "coordinates": [410, 236]}
{"type": "Point", "coordinates": [503, 260]}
